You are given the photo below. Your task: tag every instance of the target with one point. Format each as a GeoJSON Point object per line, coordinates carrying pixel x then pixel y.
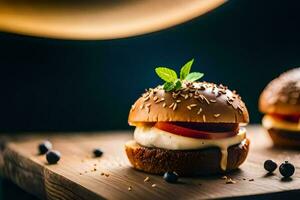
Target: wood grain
{"type": "Point", "coordinates": [78, 174]}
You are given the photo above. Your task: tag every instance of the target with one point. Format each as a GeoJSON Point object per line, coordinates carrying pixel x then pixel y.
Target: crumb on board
{"type": "Point", "coordinates": [230, 181]}
{"type": "Point", "coordinates": [146, 179]}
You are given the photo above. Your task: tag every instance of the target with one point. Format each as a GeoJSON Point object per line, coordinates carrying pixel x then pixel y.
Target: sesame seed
{"type": "Point", "coordinates": [175, 106]}
{"type": "Point", "coordinates": [170, 106]}
{"type": "Point", "coordinates": [146, 179]}
{"type": "Point", "coordinates": [228, 102]}
{"type": "Point", "coordinates": [146, 98]}
{"type": "Point", "coordinates": [182, 95]}
{"type": "Point", "coordinates": [199, 111]}
{"type": "Point", "coordinates": [188, 107]}
{"type": "Point", "coordinates": [164, 104]}
{"type": "Point", "coordinates": [202, 87]}
{"type": "Point", "coordinates": [155, 98]}
{"type": "Point", "coordinates": [160, 100]}
{"type": "Point", "coordinates": [133, 107]}
{"type": "Point", "coordinates": [186, 96]}
{"type": "Point", "coordinates": [193, 105]}
{"type": "Point", "coordinates": [204, 118]}
{"type": "Point", "coordinates": [217, 115]}
{"type": "Point", "coordinates": [153, 185]}
{"type": "Point", "coordinates": [129, 188]}
{"type": "Point", "coordinates": [148, 105]}
{"type": "Point", "coordinates": [142, 106]}
{"type": "Point", "coordinates": [178, 101]}
{"type": "Point", "coordinates": [213, 101]}
{"type": "Point", "coordinates": [206, 99]}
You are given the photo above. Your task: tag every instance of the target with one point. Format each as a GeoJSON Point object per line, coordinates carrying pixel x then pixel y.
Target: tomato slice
{"type": "Point", "coordinates": [290, 118]}
{"type": "Point", "coordinates": [187, 132]}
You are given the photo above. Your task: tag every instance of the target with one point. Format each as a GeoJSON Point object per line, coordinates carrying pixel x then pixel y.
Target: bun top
{"type": "Point", "coordinates": [282, 95]}
{"type": "Point", "coordinates": [195, 102]}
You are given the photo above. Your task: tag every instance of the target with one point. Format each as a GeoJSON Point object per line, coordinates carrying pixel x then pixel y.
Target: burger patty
{"type": "Point", "coordinates": [285, 138]}
{"type": "Point", "coordinates": [185, 162]}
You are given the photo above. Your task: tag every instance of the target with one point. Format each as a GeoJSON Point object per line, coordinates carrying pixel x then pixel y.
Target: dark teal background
{"type": "Point", "coordinates": [89, 85]}
{"type": "Point", "coordinates": [61, 85]}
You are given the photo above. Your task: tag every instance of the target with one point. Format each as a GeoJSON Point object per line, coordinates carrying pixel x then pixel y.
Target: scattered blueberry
{"type": "Point", "coordinates": [53, 156]}
{"type": "Point", "coordinates": [270, 166]}
{"type": "Point", "coordinates": [286, 169]}
{"type": "Point", "coordinates": [171, 177]}
{"type": "Point", "coordinates": [44, 147]}
{"type": "Point", "coordinates": [97, 152]}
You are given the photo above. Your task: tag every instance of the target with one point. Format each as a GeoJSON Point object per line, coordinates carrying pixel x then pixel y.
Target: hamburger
{"type": "Point", "coordinates": [280, 102]}
{"type": "Point", "coordinates": [187, 127]}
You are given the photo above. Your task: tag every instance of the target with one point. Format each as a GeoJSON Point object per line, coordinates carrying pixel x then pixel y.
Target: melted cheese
{"type": "Point", "coordinates": [154, 137]}
{"type": "Point", "coordinates": [271, 122]}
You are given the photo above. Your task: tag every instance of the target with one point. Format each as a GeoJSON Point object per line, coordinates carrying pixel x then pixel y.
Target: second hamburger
{"type": "Point", "coordinates": [280, 101]}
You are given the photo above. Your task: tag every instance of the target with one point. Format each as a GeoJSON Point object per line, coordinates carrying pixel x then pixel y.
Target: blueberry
{"type": "Point", "coordinates": [270, 166]}
{"type": "Point", "coordinates": [44, 147]}
{"type": "Point", "coordinates": [286, 169]}
{"type": "Point", "coordinates": [53, 156]}
{"type": "Point", "coordinates": [97, 152]}
{"type": "Point", "coordinates": [171, 177]}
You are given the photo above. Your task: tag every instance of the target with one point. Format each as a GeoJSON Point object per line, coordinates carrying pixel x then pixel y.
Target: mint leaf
{"type": "Point", "coordinates": [168, 86]}
{"type": "Point", "coordinates": [185, 70]}
{"type": "Point", "coordinates": [194, 76]}
{"type": "Point", "coordinates": [177, 85]}
{"type": "Point", "coordinates": [166, 74]}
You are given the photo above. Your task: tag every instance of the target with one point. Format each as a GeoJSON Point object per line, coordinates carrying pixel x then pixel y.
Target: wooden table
{"type": "Point", "coordinates": [81, 176]}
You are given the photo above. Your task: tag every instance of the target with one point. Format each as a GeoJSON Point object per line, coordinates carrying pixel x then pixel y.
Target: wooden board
{"type": "Point", "coordinates": [78, 174]}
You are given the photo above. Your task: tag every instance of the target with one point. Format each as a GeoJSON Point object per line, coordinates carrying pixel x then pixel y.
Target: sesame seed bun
{"type": "Point", "coordinates": [282, 95]}
{"type": "Point", "coordinates": [195, 102]}
{"type": "Point", "coordinates": [192, 162]}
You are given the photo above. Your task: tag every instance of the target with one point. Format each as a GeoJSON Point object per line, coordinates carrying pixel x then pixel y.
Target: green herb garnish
{"type": "Point", "coordinates": [172, 82]}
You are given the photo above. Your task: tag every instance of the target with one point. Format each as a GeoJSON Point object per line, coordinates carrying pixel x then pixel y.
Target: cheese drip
{"type": "Point", "coordinates": [272, 122]}
{"type": "Point", "coordinates": [154, 137]}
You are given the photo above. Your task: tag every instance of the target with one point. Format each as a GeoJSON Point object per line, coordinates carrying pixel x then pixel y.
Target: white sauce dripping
{"type": "Point", "coordinates": [154, 137]}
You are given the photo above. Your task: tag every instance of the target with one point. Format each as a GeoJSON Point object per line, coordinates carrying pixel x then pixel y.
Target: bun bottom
{"type": "Point", "coordinates": [285, 138]}
{"type": "Point", "coordinates": [185, 162]}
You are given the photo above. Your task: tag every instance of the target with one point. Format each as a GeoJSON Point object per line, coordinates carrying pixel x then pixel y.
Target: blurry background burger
{"type": "Point", "coordinates": [280, 102]}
